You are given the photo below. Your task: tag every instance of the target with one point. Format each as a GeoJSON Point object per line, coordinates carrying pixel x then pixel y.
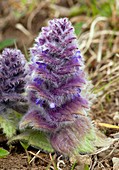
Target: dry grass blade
{"type": "Point", "coordinates": [53, 162]}
{"type": "Point", "coordinates": [36, 156]}
{"type": "Point", "coordinates": [108, 125]}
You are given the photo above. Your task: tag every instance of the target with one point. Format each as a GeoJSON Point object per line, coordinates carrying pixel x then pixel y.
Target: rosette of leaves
{"type": "Point", "coordinates": [57, 102]}
{"type": "Point", "coordinates": [13, 72]}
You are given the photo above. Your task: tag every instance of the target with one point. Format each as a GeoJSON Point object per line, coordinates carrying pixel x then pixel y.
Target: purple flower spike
{"type": "Point", "coordinates": [56, 65]}
{"type": "Point", "coordinates": [12, 76]}
{"type": "Point", "coordinates": [58, 79]}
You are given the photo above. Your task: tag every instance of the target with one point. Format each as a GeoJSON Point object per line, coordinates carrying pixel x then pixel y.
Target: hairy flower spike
{"type": "Point", "coordinates": [55, 90]}
{"type": "Point", "coordinates": [12, 76]}
{"type": "Point", "coordinates": [57, 64]}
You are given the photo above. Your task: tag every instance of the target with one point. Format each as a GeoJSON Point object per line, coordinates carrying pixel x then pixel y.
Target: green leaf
{"type": "Point", "coordinates": [78, 28]}
{"type": "Point", "coordinates": [73, 166]}
{"type": "Point", "coordinates": [34, 138]}
{"type": "Point", "coordinates": [24, 2]}
{"type": "Point", "coordinates": [86, 167]}
{"type": "Point", "coordinates": [7, 43]}
{"type": "Point", "coordinates": [9, 122]}
{"type": "Point", "coordinates": [3, 153]}
{"type": "Point", "coordinates": [25, 145]}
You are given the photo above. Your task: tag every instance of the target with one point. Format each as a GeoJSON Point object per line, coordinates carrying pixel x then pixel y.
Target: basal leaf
{"type": "Point", "coordinates": [3, 153]}
{"type": "Point", "coordinates": [34, 138]}
{"type": "Point", "coordinates": [9, 123]}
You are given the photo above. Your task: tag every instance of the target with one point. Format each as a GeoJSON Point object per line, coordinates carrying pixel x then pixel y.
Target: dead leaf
{"type": "Point", "coordinates": [115, 163]}
{"type": "Point", "coordinates": [81, 159]}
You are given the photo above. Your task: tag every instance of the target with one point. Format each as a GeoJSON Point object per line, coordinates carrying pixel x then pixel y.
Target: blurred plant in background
{"type": "Point", "coordinates": [13, 71]}
{"type": "Point", "coordinates": [23, 7]}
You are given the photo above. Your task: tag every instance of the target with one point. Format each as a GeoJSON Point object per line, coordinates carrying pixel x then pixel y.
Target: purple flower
{"type": "Point", "coordinates": [55, 89]}
{"type": "Point", "coordinates": [12, 76]}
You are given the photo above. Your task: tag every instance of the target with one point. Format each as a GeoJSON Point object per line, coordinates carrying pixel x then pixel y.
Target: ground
{"type": "Point", "coordinates": [96, 25]}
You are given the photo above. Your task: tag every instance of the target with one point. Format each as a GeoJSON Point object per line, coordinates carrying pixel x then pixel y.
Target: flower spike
{"type": "Point", "coordinates": [12, 76]}
{"type": "Point", "coordinates": [56, 90]}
